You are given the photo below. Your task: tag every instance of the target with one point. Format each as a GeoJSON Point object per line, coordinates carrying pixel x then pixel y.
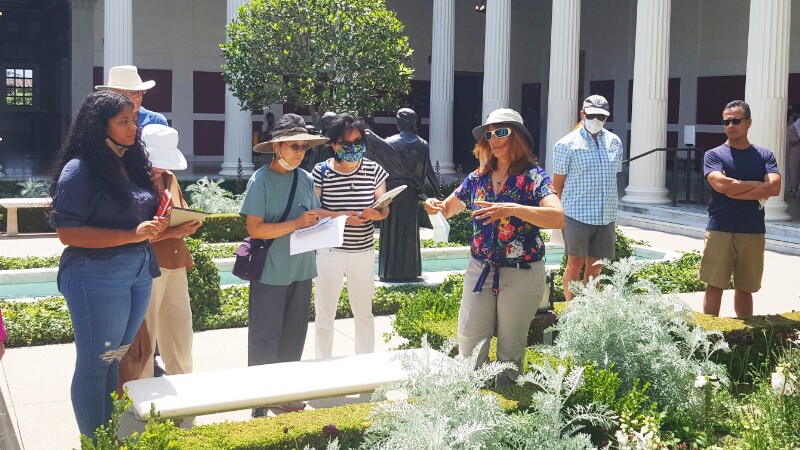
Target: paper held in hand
{"type": "Point", "coordinates": [328, 232]}
{"type": "Point", "coordinates": [387, 198]}
{"type": "Point", "coordinates": [441, 229]}
{"type": "Point", "coordinates": [180, 216]}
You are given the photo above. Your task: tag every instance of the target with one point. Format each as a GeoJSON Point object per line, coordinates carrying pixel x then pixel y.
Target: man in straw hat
{"type": "Point", "coordinates": [125, 80]}
{"type": "Point", "coordinates": [585, 177]}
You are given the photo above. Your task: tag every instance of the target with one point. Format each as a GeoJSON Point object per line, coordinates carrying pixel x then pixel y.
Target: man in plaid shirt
{"type": "Point", "coordinates": [585, 177]}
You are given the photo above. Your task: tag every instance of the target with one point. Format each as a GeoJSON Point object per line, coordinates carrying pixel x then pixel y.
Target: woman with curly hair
{"type": "Point", "coordinates": [104, 210]}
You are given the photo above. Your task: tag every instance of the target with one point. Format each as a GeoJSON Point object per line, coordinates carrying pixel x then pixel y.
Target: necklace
{"type": "Point", "coordinates": [502, 178]}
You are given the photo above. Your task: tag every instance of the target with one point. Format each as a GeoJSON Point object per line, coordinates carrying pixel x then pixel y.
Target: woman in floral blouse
{"type": "Point", "coordinates": [511, 199]}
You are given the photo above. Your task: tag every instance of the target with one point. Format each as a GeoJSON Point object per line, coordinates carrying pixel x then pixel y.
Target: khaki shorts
{"type": "Point", "coordinates": [737, 254]}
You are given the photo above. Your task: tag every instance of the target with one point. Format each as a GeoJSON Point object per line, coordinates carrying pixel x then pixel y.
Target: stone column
{"type": "Point", "coordinates": [562, 95]}
{"type": "Point", "coordinates": [496, 56]}
{"type": "Point", "coordinates": [442, 70]}
{"type": "Point", "coordinates": [649, 118]}
{"type": "Point", "coordinates": [238, 123]}
{"type": "Point", "coordinates": [81, 51]}
{"type": "Point", "coordinates": [766, 88]}
{"type": "Point", "coordinates": [117, 34]}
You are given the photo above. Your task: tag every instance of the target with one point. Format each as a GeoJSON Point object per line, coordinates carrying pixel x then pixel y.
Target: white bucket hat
{"type": "Point", "coordinates": [126, 78]}
{"type": "Point", "coordinates": [161, 143]}
{"type": "Point", "coordinates": [507, 116]}
{"type": "Point", "coordinates": [290, 134]}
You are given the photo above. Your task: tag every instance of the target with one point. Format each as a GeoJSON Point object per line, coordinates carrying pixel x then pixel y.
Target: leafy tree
{"type": "Point", "coordinates": [326, 55]}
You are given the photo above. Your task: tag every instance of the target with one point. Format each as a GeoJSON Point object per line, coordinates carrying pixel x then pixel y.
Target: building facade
{"type": "Point", "coordinates": [541, 57]}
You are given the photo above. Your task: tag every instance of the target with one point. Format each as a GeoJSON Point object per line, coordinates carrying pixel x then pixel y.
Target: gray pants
{"type": "Point", "coordinates": [278, 322]}
{"type": "Point", "coordinates": [511, 312]}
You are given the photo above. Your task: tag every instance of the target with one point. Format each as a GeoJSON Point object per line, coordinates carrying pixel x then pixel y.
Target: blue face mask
{"type": "Point", "coordinates": [351, 153]}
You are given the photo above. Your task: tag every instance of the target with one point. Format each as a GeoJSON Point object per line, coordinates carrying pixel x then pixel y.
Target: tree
{"type": "Point", "coordinates": [327, 55]}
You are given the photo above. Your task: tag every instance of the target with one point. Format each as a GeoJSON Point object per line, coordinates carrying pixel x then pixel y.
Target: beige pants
{"type": "Point", "coordinates": [511, 312]}
{"type": "Point", "coordinates": [169, 322]}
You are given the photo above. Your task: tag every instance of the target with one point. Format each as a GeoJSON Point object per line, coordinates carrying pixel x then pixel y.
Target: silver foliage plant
{"type": "Point", "coordinates": [645, 335]}
{"type": "Point", "coordinates": [34, 188]}
{"type": "Point", "coordinates": [207, 195]}
{"type": "Point", "coordinates": [447, 409]}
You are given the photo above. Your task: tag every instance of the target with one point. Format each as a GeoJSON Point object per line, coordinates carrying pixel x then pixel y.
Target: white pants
{"type": "Point", "coordinates": [332, 266]}
{"type": "Point", "coordinates": [169, 321]}
{"type": "Point", "coordinates": [511, 312]}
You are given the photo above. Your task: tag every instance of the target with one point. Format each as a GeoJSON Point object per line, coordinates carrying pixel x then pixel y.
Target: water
{"type": "Point", "coordinates": [44, 289]}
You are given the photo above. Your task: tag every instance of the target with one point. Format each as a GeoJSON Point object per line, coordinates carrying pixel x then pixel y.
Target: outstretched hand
{"type": "Point", "coordinates": [491, 212]}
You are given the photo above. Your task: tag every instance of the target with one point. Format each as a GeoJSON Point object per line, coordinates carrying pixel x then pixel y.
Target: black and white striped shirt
{"type": "Point", "coordinates": [351, 192]}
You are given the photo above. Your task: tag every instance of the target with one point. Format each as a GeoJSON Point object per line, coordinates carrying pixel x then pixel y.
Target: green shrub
{"type": "Point", "coordinates": [28, 262]}
{"type": "Point", "coordinates": [752, 341]}
{"type": "Point", "coordinates": [428, 307]}
{"type": "Point", "coordinates": [209, 196]}
{"type": "Point", "coordinates": [43, 322]}
{"type": "Point", "coordinates": [204, 290]}
{"type": "Point", "coordinates": [222, 228]}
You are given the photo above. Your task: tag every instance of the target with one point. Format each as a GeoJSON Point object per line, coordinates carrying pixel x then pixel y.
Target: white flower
{"type": "Point", "coordinates": [700, 381]}
{"type": "Point", "coordinates": [783, 381]}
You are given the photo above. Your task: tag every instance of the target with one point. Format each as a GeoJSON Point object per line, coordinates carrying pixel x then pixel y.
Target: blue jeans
{"type": "Point", "coordinates": [107, 293]}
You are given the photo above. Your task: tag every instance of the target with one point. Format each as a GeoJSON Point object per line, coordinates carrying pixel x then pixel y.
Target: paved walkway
{"type": "Point", "coordinates": [35, 381]}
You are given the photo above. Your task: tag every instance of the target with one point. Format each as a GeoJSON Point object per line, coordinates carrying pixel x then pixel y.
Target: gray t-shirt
{"type": "Point", "coordinates": [266, 196]}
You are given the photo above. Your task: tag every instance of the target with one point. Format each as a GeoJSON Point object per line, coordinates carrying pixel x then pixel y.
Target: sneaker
{"type": "Point", "coordinates": [259, 412]}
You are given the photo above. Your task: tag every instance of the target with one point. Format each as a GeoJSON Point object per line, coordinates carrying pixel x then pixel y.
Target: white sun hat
{"type": "Point", "coordinates": [504, 116]}
{"type": "Point", "coordinates": [125, 78]}
{"type": "Point", "coordinates": [161, 143]}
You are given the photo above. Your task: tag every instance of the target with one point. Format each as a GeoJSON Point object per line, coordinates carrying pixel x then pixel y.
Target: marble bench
{"type": "Point", "coordinates": [12, 204]}
{"type": "Point", "coordinates": [193, 394]}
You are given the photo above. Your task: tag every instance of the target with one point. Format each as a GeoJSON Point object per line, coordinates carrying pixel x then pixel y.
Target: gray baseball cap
{"type": "Point", "coordinates": [596, 104]}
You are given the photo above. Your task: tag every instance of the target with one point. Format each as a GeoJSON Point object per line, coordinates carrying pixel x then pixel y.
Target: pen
{"type": "Point", "coordinates": [302, 206]}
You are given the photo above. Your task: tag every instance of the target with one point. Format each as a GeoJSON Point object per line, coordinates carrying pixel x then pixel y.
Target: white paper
{"type": "Point", "coordinates": [387, 198]}
{"type": "Point", "coordinates": [441, 229]}
{"type": "Point", "coordinates": [325, 234]}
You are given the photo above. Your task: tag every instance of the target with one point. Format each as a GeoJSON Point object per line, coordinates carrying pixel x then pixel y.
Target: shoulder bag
{"type": "Point", "coordinates": [252, 253]}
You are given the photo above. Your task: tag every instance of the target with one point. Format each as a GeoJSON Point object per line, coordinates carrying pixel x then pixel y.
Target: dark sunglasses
{"type": "Point", "coordinates": [348, 144]}
{"type": "Point", "coordinates": [737, 121]}
{"type": "Point", "coordinates": [602, 117]}
{"type": "Point", "coordinates": [500, 133]}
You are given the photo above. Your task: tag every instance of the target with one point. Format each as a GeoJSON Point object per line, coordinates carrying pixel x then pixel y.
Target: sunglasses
{"type": "Point", "coordinates": [297, 148]}
{"type": "Point", "coordinates": [500, 133]}
{"type": "Point", "coordinates": [602, 117]}
{"type": "Point", "coordinates": [737, 121]}
{"type": "Point", "coordinates": [348, 144]}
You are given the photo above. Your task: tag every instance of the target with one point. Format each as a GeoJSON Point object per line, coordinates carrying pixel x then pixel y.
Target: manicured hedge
{"type": "Point", "coordinates": [222, 228]}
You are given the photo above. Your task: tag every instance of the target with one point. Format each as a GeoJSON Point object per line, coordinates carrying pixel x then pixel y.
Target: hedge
{"type": "Point", "coordinates": [222, 228]}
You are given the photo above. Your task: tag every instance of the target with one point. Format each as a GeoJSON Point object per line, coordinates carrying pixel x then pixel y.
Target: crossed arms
{"type": "Point", "coordinates": [745, 190]}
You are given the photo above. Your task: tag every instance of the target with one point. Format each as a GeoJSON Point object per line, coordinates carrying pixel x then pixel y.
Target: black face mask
{"type": "Point", "coordinates": [116, 143]}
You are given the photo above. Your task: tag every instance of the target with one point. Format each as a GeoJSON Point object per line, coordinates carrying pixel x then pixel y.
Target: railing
{"type": "Point", "coordinates": [690, 158]}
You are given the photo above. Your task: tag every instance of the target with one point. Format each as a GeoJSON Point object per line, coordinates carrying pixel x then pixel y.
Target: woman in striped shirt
{"type": "Point", "coordinates": [348, 183]}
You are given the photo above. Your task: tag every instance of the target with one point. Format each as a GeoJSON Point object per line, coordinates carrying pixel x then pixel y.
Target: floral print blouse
{"type": "Point", "coordinates": [511, 239]}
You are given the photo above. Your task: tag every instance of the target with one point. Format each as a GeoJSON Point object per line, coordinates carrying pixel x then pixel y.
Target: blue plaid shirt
{"type": "Point", "coordinates": [590, 187]}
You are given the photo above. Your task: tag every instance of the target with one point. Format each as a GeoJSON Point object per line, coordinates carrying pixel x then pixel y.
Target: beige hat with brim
{"type": "Point", "coordinates": [290, 134]}
{"type": "Point", "coordinates": [125, 78]}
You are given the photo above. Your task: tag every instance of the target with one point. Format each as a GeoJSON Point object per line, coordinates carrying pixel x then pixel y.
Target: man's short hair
{"type": "Point", "coordinates": [739, 104]}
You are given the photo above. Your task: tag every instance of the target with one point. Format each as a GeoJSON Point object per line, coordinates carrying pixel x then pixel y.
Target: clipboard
{"type": "Point", "coordinates": [387, 198]}
{"type": "Point", "coordinates": [180, 216]}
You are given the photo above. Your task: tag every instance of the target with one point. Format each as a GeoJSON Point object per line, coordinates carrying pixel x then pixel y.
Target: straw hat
{"type": "Point", "coordinates": [290, 134]}
{"type": "Point", "coordinates": [161, 143]}
{"type": "Point", "coordinates": [506, 116]}
{"type": "Point", "coordinates": [125, 78]}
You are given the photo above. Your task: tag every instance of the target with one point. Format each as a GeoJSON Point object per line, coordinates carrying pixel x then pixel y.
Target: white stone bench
{"type": "Point", "coordinates": [179, 396]}
{"type": "Point", "coordinates": [12, 204]}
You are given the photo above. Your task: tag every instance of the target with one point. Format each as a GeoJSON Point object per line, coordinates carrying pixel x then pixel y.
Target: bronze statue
{"type": "Point", "coordinates": [406, 157]}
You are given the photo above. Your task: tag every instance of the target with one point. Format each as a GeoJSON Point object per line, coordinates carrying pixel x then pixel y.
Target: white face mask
{"type": "Point", "coordinates": [286, 166]}
{"type": "Point", "coordinates": [593, 126]}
